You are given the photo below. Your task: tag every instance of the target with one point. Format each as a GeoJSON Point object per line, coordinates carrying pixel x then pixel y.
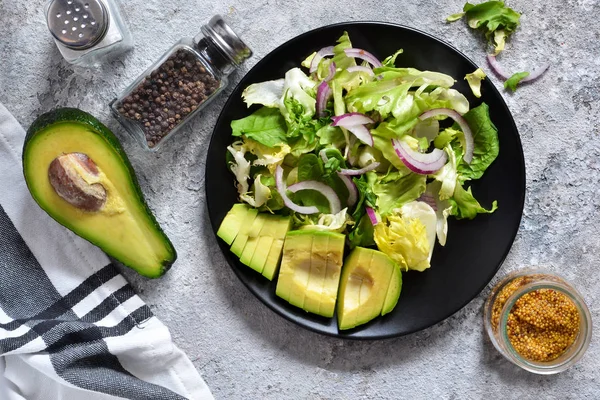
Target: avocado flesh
{"type": "Point", "coordinates": [239, 243]}
{"type": "Point", "coordinates": [295, 266]}
{"type": "Point", "coordinates": [253, 237]}
{"type": "Point", "coordinates": [124, 227]}
{"type": "Point", "coordinates": [318, 270]}
{"type": "Point", "coordinates": [276, 250]}
{"type": "Point", "coordinates": [364, 286]}
{"type": "Point", "coordinates": [232, 223]}
{"type": "Point", "coordinates": [394, 289]}
{"type": "Point", "coordinates": [335, 258]}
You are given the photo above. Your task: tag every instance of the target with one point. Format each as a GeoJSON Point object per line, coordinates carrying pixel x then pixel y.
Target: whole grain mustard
{"type": "Point", "coordinates": [541, 325]}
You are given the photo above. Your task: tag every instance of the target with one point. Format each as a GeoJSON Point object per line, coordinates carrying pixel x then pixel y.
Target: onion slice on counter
{"type": "Point", "coordinates": [363, 55]}
{"type": "Point", "coordinates": [504, 75]}
{"type": "Point", "coordinates": [469, 143]}
{"type": "Point", "coordinates": [332, 197]}
{"type": "Point", "coordinates": [323, 94]}
{"type": "Point", "coordinates": [536, 73]}
{"type": "Point", "coordinates": [372, 215]}
{"type": "Point", "coordinates": [352, 172]}
{"type": "Point", "coordinates": [286, 200]}
{"type": "Point", "coordinates": [352, 190]}
{"type": "Point", "coordinates": [324, 52]}
{"type": "Point", "coordinates": [361, 68]}
{"type": "Point", "coordinates": [420, 163]}
{"type": "Point", "coordinates": [491, 59]}
{"type": "Point", "coordinates": [331, 74]}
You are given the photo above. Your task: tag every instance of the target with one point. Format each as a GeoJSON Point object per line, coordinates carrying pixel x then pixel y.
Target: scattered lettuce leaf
{"type": "Point", "coordinates": [394, 193]}
{"type": "Point", "coordinates": [512, 82]}
{"type": "Point", "coordinates": [445, 137]}
{"type": "Point", "coordinates": [447, 175]}
{"type": "Point", "coordinates": [266, 126]}
{"type": "Point", "coordinates": [259, 195]}
{"type": "Point", "coordinates": [491, 17]}
{"type": "Point", "coordinates": [454, 17]}
{"type": "Point", "coordinates": [329, 222]}
{"type": "Point", "coordinates": [443, 210]}
{"type": "Point", "coordinates": [474, 80]}
{"type": "Point", "coordinates": [301, 88]}
{"type": "Point", "coordinates": [240, 167]}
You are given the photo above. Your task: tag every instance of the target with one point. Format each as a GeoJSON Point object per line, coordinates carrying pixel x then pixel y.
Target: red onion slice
{"type": "Point", "coordinates": [286, 200]}
{"type": "Point", "coordinates": [428, 199]}
{"type": "Point", "coordinates": [372, 215]}
{"type": "Point", "coordinates": [504, 75]}
{"type": "Point", "coordinates": [361, 68]}
{"type": "Point", "coordinates": [536, 73]}
{"type": "Point", "coordinates": [469, 143]}
{"type": "Point", "coordinates": [351, 119]}
{"type": "Point", "coordinates": [323, 94]}
{"type": "Point", "coordinates": [363, 55]}
{"type": "Point", "coordinates": [324, 52]}
{"type": "Point", "coordinates": [329, 193]}
{"type": "Point", "coordinates": [362, 133]}
{"type": "Point", "coordinates": [361, 171]}
{"type": "Point", "coordinates": [331, 74]}
{"type": "Point", "coordinates": [491, 59]}
{"type": "Point", "coordinates": [352, 189]}
{"type": "Point", "coordinates": [420, 163]}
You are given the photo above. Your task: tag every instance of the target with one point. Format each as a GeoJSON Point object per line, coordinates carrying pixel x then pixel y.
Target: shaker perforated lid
{"type": "Point", "coordinates": [78, 24]}
{"type": "Point", "coordinates": [227, 40]}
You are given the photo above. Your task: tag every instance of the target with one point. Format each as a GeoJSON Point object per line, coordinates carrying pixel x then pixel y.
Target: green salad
{"type": "Point", "coordinates": [380, 153]}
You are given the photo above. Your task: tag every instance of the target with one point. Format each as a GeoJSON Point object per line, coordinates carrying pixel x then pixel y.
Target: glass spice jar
{"type": "Point", "coordinates": [181, 83]}
{"type": "Point", "coordinates": [538, 321]}
{"type": "Point", "coordinates": [86, 31]}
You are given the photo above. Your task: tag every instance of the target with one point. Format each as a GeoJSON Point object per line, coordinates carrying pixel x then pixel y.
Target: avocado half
{"type": "Point", "coordinates": [123, 227]}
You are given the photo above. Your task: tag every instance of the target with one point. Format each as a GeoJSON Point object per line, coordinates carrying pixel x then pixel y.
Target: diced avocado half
{"type": "Point", "coordinates": [256, 238]}
{"type": "Point", "coordinates": [124, 227]}
{"type": "Point", "coordinates": [370, 286]}
{"type": "Point", "coordinates": [310, 270]}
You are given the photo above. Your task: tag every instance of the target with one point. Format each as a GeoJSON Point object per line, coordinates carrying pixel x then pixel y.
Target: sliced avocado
{"type": "Point", "coordinates": [364, 287]}
{"type": "Point", "coordinates": [318, 270]}
{"type": "Point", "coordinates": [272, 261]}
{"type": "Point", "coordinates": [295, 266]}
{"type": "Point", "coordinates": [232, 223]}
{"type": "Point", "coordinates": [394, 289]}
{"type": "Point", "coordinates": [356, 267]}
{"type": "Point", "coordinates": [335, 258]}
{"type": "Point", "coordinates": [239, 243]}
{"type": "Point", "coordinates": [253, 237]}
{"type": "Point", "coordinates": [269, 231]}
{"type": "Point", "coordinates": [78, 173]}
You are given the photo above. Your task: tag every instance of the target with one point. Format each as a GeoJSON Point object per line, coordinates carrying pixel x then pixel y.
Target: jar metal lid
{"type": "Point", "coordinates": [227, 40]}
{"type": "Point", "coordinates": [77, 24]}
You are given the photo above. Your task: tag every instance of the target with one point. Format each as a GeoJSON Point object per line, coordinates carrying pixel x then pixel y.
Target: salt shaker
{"type": "Point", "coordinates": [87, 30]}
{"type": "Point", "coordinates": [180, 83]}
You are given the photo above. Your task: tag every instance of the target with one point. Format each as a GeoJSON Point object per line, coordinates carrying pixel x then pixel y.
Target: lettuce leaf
{"type": "Point", "coordinates": [494, 19]}
{"type": "Point", "coordinates": [266, 126]}
{"type": "Point", "coordinates": [485, 137]}
{"type": "Point", "coordinates": [464, 205]}
{"type": "Point", "coordinates": [512, 82]}
{"type": "Point", "coordinates": [394, 190]}
{"type": "Point", "coordinates": [474, 80]}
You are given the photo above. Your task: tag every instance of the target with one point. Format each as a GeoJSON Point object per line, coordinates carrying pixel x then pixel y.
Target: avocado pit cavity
{"type": "Point", "coordinates": [75, 177]}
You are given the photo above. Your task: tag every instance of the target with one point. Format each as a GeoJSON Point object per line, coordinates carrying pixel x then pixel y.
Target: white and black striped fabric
{"type": "Point", "coordinates": [71, 327]}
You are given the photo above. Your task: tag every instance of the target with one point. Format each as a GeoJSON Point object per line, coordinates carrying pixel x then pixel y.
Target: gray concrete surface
{"type": "Point", "coordinates": [245, 351]}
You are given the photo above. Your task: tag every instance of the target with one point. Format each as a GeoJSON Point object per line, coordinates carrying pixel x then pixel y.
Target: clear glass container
{"type": "Point", "coordinates": [87, 31]}
{"type": "Point", "coordinates": [181, 83]}
{"type": "Point", "coordinates": [501, 301]}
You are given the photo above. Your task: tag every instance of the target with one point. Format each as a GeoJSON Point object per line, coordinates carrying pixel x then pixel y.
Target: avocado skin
{"type": "Point", "coordinates": [74, 115]}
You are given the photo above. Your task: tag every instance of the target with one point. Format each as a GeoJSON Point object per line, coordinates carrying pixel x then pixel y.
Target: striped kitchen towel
{"type": "Point", "coordinates": [71, 327]}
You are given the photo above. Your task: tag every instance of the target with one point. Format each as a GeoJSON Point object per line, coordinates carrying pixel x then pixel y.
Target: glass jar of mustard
{"type": "Point", "coordinates": [538, 321]}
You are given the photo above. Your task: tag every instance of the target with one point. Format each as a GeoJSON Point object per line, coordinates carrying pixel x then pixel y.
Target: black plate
{"type": "Point", "coordinates": [474, 250]}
